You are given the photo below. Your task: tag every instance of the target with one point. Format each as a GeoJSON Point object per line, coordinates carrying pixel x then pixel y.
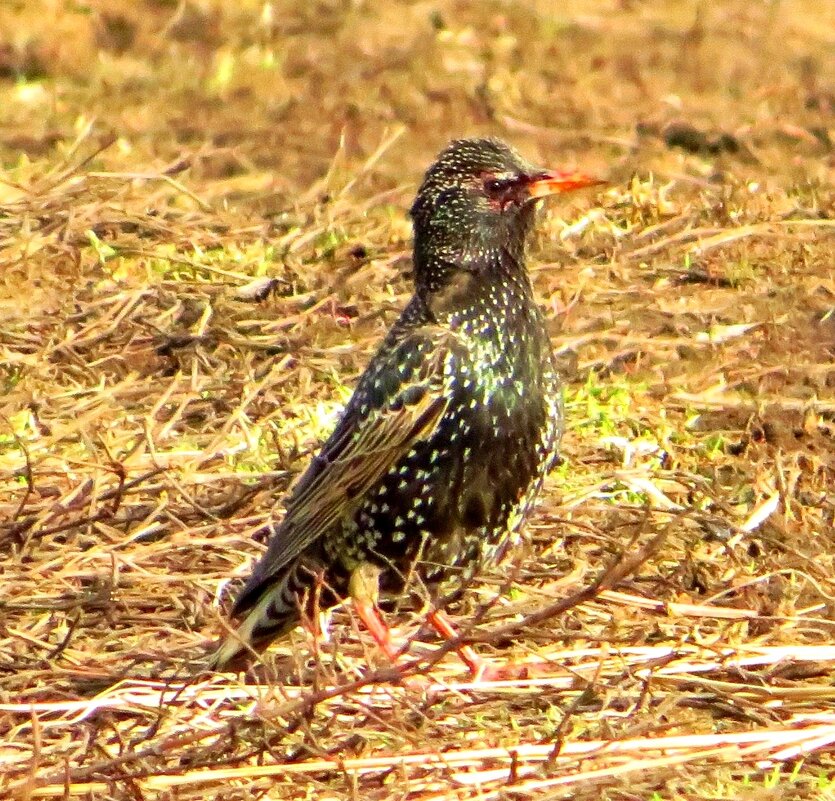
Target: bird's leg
{"type": "Point", "coordinates": [364, 589]}
{"type": "Point", "coordinates": [479, 668]}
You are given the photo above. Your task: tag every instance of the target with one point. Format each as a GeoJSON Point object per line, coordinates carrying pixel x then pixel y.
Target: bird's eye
{"type": "Point", "coordinates": [498, 186]}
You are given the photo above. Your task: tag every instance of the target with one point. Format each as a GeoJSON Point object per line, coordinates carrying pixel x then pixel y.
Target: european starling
{"type": "Point", "coordinates": [445, 443]}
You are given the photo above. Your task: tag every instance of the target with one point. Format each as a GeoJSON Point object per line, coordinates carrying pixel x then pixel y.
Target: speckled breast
{"type": "Point", "coordinates": [457, 500]}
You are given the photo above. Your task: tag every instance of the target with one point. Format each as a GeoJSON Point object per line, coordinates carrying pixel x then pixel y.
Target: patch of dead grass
{"type": "Point", "coordinates": [163, 167]}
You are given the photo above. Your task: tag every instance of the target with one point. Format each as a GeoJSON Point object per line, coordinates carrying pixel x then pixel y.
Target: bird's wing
{"type": "Point", "coordinates": [395, 406]}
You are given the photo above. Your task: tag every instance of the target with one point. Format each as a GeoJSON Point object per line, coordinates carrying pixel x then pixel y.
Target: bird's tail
{"type": "Point", "coordinates": [273, 615]}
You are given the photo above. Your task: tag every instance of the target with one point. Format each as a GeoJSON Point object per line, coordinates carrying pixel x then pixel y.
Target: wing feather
{"type": "Point", "coordinates": [363, 448]}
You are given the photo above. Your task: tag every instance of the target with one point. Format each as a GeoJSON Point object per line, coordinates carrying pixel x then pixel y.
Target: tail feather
{"type": "Point", "coordinates": [271, 617]}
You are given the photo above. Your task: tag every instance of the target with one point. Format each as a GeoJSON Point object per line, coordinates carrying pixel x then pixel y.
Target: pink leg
{"type": "Point", "coordinates": [480, 668]}
{"type": "Point", "coordinates": [377, 627]}
{"type": "Point", "coordinates": [443, 625]}
{"type": "Point", "coordinates": [363, 589]}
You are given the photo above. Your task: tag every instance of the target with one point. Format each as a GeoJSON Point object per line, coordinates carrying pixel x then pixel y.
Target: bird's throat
{"type": "Point", "coordinates": [485, 295]}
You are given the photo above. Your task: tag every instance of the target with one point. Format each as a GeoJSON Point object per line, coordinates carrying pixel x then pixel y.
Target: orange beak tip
{"type": "Point", "coordinates": [555, 182]}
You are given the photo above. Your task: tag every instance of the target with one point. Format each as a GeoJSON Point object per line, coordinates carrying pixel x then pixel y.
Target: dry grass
{"type": "Point", "coordinates": [202, 238]}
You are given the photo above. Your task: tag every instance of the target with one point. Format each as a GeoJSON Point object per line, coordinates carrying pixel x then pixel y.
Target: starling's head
{"type": "Point", "coordinates": [476, 202]}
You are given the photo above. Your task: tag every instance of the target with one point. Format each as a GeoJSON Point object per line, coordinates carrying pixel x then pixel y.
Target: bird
{"type": "Point", "coordinates": [450, 432]}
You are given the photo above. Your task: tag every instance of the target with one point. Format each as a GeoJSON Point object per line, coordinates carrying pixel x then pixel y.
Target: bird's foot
{"type": "Point", "coordinates": [487, 672]}
{"type": "Point", "coordinates": [482, 670]}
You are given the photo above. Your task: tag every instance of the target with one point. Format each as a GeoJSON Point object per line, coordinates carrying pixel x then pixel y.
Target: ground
{"type": "Point", "coordinates": [204, 234]}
